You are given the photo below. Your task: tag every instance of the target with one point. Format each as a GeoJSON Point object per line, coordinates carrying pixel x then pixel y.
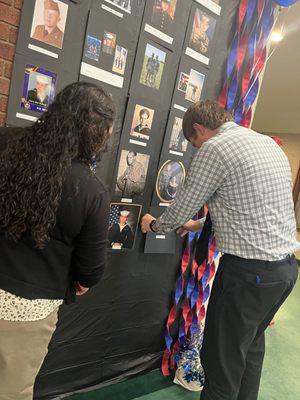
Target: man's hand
{"type": "Point", "coordinates": [190, 226]}
{"type": "Point", "coordinates": [80, 290]}
{"type": "Point", "coordinates": [145, 223]}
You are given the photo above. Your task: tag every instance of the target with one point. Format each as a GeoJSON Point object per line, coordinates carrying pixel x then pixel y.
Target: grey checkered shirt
{"type": "Point", "coordinates": [245, 178]}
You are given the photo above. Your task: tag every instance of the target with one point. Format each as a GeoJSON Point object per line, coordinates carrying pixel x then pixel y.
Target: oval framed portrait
{"type": "Point", "coordinates": [170, 178]}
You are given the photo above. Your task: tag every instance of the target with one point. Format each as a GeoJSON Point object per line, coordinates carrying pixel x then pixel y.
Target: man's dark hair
{"type": "Point", "coordinates": [132, 152]}
{"type": "Point", "coordinates": [145, 111]}
{"type": "Point", "coordinates": [207, 113]}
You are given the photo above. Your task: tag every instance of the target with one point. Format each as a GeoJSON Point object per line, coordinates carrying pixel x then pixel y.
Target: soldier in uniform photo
{"type": "Point", "coordinates": [120, 235]}
{"type": "Point", "coordinates": [132, 181]}
{"type": "Point", "coordinates": [161, 15]}
{"type": "Point", "coordinates": [40, 94]}
{"type": "Point", "coordinates": [49, 32]}
{"type": "Point", "coordinates": [199, 38]}
{"type": "Point", "coordinates": [143, 127]}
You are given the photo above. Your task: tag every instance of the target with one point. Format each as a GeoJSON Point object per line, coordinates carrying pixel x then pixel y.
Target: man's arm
{"type": "Point", "coordinates": [205, 176]}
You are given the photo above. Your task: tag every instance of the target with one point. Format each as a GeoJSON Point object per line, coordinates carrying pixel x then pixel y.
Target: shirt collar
{"type": "Point", "coordinates": [227, 126]}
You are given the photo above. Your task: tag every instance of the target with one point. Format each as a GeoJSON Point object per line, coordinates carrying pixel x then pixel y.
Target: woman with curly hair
{"type": "Point", "coordinates": [54, 216]}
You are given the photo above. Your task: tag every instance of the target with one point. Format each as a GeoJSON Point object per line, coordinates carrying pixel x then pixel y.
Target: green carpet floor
{"type": "Point", "coordinates": [281, 373]}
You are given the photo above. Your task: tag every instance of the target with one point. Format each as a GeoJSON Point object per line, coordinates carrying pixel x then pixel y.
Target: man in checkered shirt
{"type": "Point", "coordinates": [245, 179]}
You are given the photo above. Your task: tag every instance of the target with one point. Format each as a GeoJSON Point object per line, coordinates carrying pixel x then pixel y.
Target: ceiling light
{"type": "Point", "coordinates": [276, 37]}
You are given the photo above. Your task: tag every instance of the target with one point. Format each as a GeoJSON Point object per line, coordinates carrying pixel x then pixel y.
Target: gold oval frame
{"type": "Point", "coordinates": [158, 175]}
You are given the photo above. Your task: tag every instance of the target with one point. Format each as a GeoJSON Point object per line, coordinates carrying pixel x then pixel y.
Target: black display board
{"type": "Point", "coordinates": [116, 330]}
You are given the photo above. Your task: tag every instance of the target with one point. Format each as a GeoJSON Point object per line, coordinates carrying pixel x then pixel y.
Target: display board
{"type": "Point", "coordinates": [156, 58]}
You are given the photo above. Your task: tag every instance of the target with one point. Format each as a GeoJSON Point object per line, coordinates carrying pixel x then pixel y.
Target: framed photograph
{"type": "Point", "coordinates": [38, 88]}
{"type": "Point", "coordinates": [123, 224]}
{"type": "Point", "coordinates": [194, 86]}
{"type": "Point", "coordinates": [178, 142]}
{"type": "Point", "coordinates": [170, 178]}
{"type": "Point", "coordinates": [183, 82]}
{"type": "Point", "coordinates": [109, 42]}
{"type": "Point", "coordinates": [202, 33]}
{"type": "Point", "coordinates": [49, 22]}
{"type": "Point", "coordinates": [132, 172]}
{"type": "Point", "coordinates": [92, 48]}
{"type": "Point", "coordinates": [163, 14]}
{"type": "Point", "coordinates": [124, 5]}
{"type": "Point", "coordinates": [120, 60]}
{"type": "Point", "coordinates": [142, 122]}
{"type": "Point", "coordinates": [153, 66]}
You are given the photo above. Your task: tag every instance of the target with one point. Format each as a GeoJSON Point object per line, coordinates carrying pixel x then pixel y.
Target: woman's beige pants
{"type": "Point", "coordinates": [23, 347]}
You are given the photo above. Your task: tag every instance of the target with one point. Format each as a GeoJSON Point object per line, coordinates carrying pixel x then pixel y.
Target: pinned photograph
{"type": "Point", "coordinates": [170, 178]}
{"type": "Point", "coordinates": [120, 60]}
{"type": "Point", "coordinates": [178, 142]}
{"type": "Point", "coordinates": [195, 86]}
{"type": "Point", "coordinates": [142, 122]}
{"type": "Point", "coordinates": [132, 173]}
{"type": "Point", "coordinates": [123, 224]}
{"type": "Point", "coordinates": [49, 22]}
{"type": "Point", "coordinates": [92, 48]}
{"type": "Point", "coordinates": [124, 5]}
{"type": "Point", "coordinates": [109, 42]}
{"type": "Point", "coordinates": [202, 33]}
{"type": "Point", "coordinates": [38, 88]}
{"type": "Point", "coordinates": [183, 82]}
{"type": "Point", "coordinates": [163, 14]}
{"type": "Point", "coordinates": [153, 66]}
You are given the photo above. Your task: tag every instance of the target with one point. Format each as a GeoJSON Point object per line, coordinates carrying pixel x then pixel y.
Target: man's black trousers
{"type": "Point", "coordinates": [245, 296]}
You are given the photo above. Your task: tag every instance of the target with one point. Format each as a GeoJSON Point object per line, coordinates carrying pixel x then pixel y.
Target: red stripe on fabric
{"type": "Point", "coordinates": [242, 12]}
{"type": "Point", "coordinates": [165, 363]}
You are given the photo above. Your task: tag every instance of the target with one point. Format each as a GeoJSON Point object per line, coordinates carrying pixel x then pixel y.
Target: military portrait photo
{"type": "Point", "coordinates": [195, 86]}
{"type": "Point", "coordinates": [178, 142]}
{"type": "Point", "coordinates": [132, 173]}
{"type": "Point", "coordinates": [120, 60]}
{"type": "Point", "coordinates": [49, 22]}
{"type": "Point", "coordinates": [170, 178]}
{"type": "Point", "coordinates": [142, 122]}
{"type": "Point", "coordinates": [124, 5]}
{"type": "Point", "coordinates": [109, 42]}
{"type": "Point", "coordinates": [92, 48]}
{"type": "Point", "coordinates": [183, 82]}
{"type": "Point", "coordinates": [153, 66]}
{"type": "Point", "coordinates": [38, 88]}
{"type": "Point", "coordinates": [163, 14]}
{"type": "Point", "coordinates": [123, 223]}
{"type": "Point", "coordinates": [202, 33]}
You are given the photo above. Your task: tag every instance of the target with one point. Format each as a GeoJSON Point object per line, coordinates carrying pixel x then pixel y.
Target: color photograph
{"type": "Point", "coordinates": [92, 48]}
{"type": "Point", "coordinates": [132, 173]}
{"type": "Point", "coordinates": [183, 82]}
{"type": "Point", "coordinates": [163, 14]}
{"type": "Point", "coordinates": [195, 86]}
{"type": "Point", "coordinates": [49, 22]}
{"type": "Point", "coordinates": [38, 88]}
{"type": "Point", "coordinates": [170, 178]}
{"type": "Point", "coordinates": [123, 224]}
{"type": "Point", "coordinates": [153, 66]}
{"type": "Point", "coordinates": [120, 60]}
{"type": "Point", "coordinates": [142, 122]}
{"type": "Point", "coordinates": [203, 30]}
{"type": "Point", "coordinates": [178, 142]}
{"type": "Point", "coordinates": [109, 42]}
{"type": "Point", "coordinates": [124, 5]}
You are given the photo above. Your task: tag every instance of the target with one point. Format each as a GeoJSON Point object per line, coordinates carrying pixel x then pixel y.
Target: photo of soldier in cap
{"type": "Point", "coordinates": [142, 122]}
{"type": "Point", "coordinates": [163, 14]}
{"type": "Point", "coordinates": [123, 223]}
{"type": "Point", "coordinates": [202, 33]}
{"type": "Point", "coordinates": [49, 21]}
{"type": "Point", "coordinates": [170, 178]}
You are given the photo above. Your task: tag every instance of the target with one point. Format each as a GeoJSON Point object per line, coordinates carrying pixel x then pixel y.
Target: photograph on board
{"type": "Point", "coordinates": [124, 5]}
{"type": "Point", "coordinates": [183, 82]}
{"type": "Point", "coordinates": [195, 86]}
{"type": "Point", "coordinates": [120, 60]}
{"type": "Point", "coordinates": [170, 178]}
{"type": "Point", "coordinates": [202, 33]}
{"type": "Point", "coordinates": [92, 48]}
{"type": "Point", "coordinates": [153, 66]}
{"type": "Point", "coordinates": [163, 14]}
{"type": "Point", "coordinates": [178, 142]}
{"type": "Point", "coordinates": [123, 224]}
{"type": "Point", "coordinates": [142, 122]}
{"type": "Point", "coordinates": [49, 22]}
{"type": "Point", "coordinates": [109, 43]}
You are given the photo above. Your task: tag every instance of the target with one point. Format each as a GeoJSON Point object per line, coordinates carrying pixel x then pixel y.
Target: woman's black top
{"type": "Point", "coordinates": [76, 250]}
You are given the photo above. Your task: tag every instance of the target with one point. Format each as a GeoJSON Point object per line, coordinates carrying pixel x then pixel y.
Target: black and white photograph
{"type": "Point", "coordinates": [123, 224]}
{"type": "Point", "coordinates": [153, 66]}
{"type": "Point", "coordinates": [124, 5]}
{"type": "Point", "coordinates": [170, 178]}
{"type": "Point", "coordinates": [49, 22]}
{"type": "Point", "coordinates": [178, 142]}
{"type": "Point", "coordinates": [132, 174]}
{"type": "Point", "coordinates": [142, 122]}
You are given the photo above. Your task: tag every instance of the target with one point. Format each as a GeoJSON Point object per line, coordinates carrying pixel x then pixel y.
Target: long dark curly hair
{"type": "Point", "coordinates": [34, 164]}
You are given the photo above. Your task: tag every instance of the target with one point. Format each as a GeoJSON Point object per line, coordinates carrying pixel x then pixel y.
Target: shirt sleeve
{"type": "Point", "coordinates": [205, 176]}
{"type": "Point", "coordinates": [89, 257]}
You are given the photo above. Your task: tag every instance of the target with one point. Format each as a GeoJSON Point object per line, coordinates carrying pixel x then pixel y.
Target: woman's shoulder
{"type": "Point", "coordinates": [81, 176]}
